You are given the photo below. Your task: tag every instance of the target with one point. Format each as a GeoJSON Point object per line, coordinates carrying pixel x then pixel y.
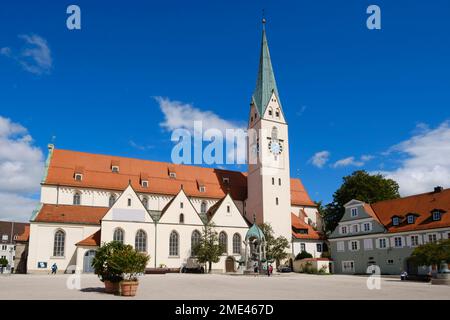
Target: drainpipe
{"type": "Point", "coordinates": [57, 195]}
{"type": "Point", "coordinates": [156, 231]}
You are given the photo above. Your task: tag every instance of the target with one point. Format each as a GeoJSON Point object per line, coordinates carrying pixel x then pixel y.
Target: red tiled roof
{"type": "Point", "coordinates": [71, 214]}
{"type": "Point", "coordinates": [25, 236]}
{"type": "Point", "coordinates": [297, 223]}
{"type": "Point", "coordinates": [92, 241]}
{"type": "Point", "coordinates": [98, 174]}
{"type": "Point", "coordinates": [422, 205]}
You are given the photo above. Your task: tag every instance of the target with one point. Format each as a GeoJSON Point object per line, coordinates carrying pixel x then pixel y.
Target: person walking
{"type": "Point", "coordinates": [54, 268]}
{"type": "Point", "coordinates": [270, 270]}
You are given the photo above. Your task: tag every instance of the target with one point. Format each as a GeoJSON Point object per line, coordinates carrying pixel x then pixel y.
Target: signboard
{"type": "Point", "coordinates": [42, 265]}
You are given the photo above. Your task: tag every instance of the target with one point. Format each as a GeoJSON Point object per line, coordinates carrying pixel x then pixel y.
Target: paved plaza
{"type": "Point", "coordinates": [216, 287]}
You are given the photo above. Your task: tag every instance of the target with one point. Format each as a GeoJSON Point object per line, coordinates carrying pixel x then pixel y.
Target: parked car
{"type": "Point", "coordinates": [192, 266]}
{"type": "Point", "coordinates": [284, 269]}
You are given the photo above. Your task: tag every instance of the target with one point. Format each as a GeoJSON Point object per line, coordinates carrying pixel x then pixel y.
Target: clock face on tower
{"type": "Point", "coordinates": [275, 147]}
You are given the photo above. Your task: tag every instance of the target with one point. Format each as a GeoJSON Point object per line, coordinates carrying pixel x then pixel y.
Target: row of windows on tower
{"type": "Point", "coordinates": [273, 181]}
{"type": "Point", "coordinates": [112, 200]}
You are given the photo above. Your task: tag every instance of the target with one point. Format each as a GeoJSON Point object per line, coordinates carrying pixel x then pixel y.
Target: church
{"type": "Point", "coordinates": [160, 208]}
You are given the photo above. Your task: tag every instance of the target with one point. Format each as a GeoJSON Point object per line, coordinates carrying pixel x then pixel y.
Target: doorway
{"type": "Point", "coordinates": [229, 265]}
{"type": "Point", "coordinates": [87, 261]}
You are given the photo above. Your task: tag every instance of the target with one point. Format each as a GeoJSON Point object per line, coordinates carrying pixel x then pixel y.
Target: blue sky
{"type": "Point", "coordinates": [354, 98]}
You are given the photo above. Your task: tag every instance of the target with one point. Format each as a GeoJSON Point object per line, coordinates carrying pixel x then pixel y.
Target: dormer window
{"type": "Point", "coordinates": [78, 174]}
{"type": "Point", "coordinates": [144, 184]}
{"type": "Point", "coordinates": [201, 186]}
{"type": "Point", "coordinates": [354, 212]}
{"type": "Point", "coordinates": [436, 215]}
{"type": "Point", "coordinates": [411, 219]}
{"type": "Point", "coordinates": [115, 166]}
{"type": "Point", "coordinates": [395, 221]}
{"type": "Point", "coordinates": [172, 172]}
{"type": "Point", "coordinates": [226, 180]}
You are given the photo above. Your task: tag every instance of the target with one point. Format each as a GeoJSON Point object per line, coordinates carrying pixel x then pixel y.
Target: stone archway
{"type": "Point", "coordinates": [230, 264]}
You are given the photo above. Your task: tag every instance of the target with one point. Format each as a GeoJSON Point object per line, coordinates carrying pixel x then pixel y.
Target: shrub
{"type": "Point", "coordinates": [102, 262]}
{"type": "Point", "coordinates": [129, 262]}
{"type": "Point", "coordinates": [303, 255]}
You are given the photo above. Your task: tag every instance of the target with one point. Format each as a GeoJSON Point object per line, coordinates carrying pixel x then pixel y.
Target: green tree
{"type": "Point", "coordinates": [209, 250]}
{"type": "Point", "coordinates": [3, 262]}
{"type": "Point", "coordinates": [362, 186]}
{"type": "Point", "coordinates": [129, 262]}
{"type": "Point", "coordinates": [303, 255]}
{"type": "Point", "coordinates": [275, 247]}
{"type": "Point", "coordinates": [432, 254]}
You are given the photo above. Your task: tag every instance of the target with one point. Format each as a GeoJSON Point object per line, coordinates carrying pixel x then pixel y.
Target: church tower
{"type": "Point", "coordinates": [269, 189]}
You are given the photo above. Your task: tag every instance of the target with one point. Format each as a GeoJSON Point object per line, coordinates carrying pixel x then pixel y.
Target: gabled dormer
{"type": "Point", "coordinates": [128, 207]}
{"type": "Point", "coordinates": [436, 214]}
{"type": "Point", "coordinates": [411, 218]}
{"type": "Point", "coordinates": [226, 213]}
{"type": "Point", "coordinates": [179, 210]}
{"type": "Point", "coordinates": [396, 220]}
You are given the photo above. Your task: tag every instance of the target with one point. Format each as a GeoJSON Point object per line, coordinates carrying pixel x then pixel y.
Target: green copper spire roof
{"type": "Point", "coordinates": [255, 232]}
{"type": "Point", "coordinates": [265, 84]}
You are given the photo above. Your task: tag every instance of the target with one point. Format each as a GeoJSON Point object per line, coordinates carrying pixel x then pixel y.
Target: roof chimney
{"type": "Point", "coordinates": [438, 189]}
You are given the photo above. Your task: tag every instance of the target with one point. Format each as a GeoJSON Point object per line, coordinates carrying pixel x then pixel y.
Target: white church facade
{"type": "Point", "coordinates": [160, 208]}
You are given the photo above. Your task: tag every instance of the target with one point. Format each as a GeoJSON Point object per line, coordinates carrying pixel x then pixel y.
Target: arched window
{"type": "Point", "coordinates": [118, 235]}
{"type": "Point", "coordinates": [174, 244]}
{"type": "Point", "coordinates": [276, 200]}
{"type": "Point", "coordinates": [195, 240]}
{"type": "Point", "coordinates": [274, 133]}
{"type": "Point", "coordinates": [112, 200]}
{"type": "Point", "coordinates": [203, 207]}
{"type": "Point", "coordinates": [223, 241]}
{"type": "Point", "coordinates": [59, 243]}
{"type": "Point", "coordinates": [181, 218]}
{"type": "Point", "coordinates": [270, 111]}
{"type": "Point", "coordinates": [145, 202]}
{"type": "Point", "coordinates": [140, 242]}
{"type": "Point", "coordinates": [277, 113]}
{"type": "Point", "coordinates": [77, 199]}
{"type": "Point", "coordinates": [237, 243]}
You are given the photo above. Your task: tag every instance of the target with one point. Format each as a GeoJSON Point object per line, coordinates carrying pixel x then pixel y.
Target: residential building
{"type": "Point", "coordinates": [385, 233]}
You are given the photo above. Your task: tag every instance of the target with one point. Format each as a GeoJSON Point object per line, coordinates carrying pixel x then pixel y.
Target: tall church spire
{"type": "Point", "coordinates": [265, 83]}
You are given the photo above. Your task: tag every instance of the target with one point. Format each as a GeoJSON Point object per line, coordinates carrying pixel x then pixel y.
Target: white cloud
{"type": "Point", "coordinates": [15, 207]}
{"type": "Point", "coordinates": [21, 168]}
{"type": "Point", "coordinates": [346, 162]}
{"type": "Point", "coordinates": [35, 56]}
{"type": "Point", "coordinates": [140, 146]}
{"type": "Point", "coordinates": [179, 115]}
{"type": "Point", "coordinates": [319, 159]}
{"type": "Point", "coordinates": [367, 157]}
{"type": "Point", "coordinates": [427, 162]}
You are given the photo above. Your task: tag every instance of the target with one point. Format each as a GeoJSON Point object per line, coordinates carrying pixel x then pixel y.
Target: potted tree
{"type": "Point", "coordinates": [130, 263]}
{"type": "Point", "coordinates": [107, 273]}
